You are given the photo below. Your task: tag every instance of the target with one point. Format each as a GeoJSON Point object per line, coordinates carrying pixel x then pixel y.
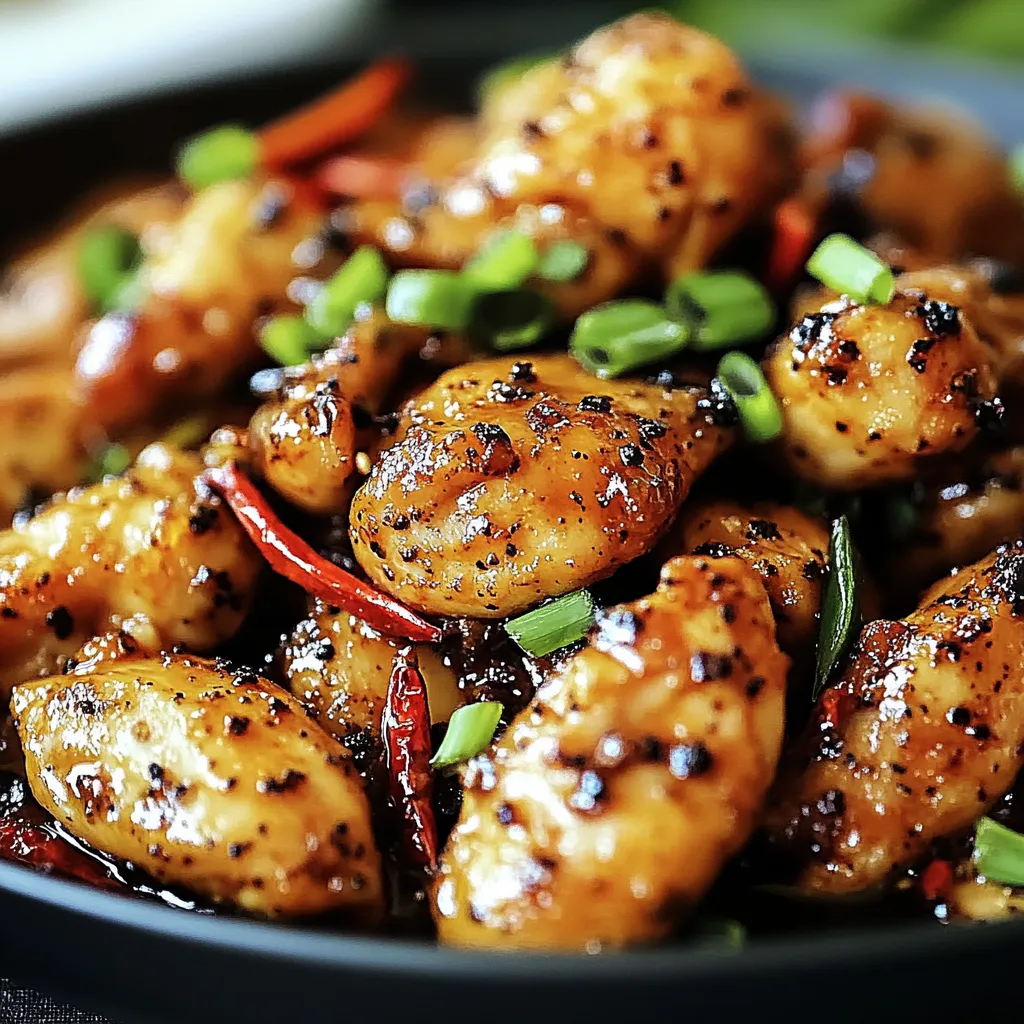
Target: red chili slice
{"type": "Point", "coordinates": [937, 880]}
{"type": "Point", "coordinates": [291, 557]}
{"type": "Point", "coordinates": [405, 730]}
{"type": "Point", "coordinates": [791, 245]}
{"type": "Point", "coordinates": [28, 842]}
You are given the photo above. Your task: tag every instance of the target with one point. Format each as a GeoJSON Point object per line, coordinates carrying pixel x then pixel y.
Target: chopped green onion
{"type": "Point", "coordinates": [840, 612]}
{"type": "Point", "coordinates": [128, 295]}
{"type": "Point", "coordinates": [112, 461]}
{"type": "Point", "coordinates": [503, 263]}
{"type": "Point", "coordinates": [361, 279]}
{"type": "Point", "coordinates": [512, 320]}
{"type": "Point", "coordinates": [722, 307]}
{"type": "Point", "coordinates": [438, 299]}
{"type": "Point", "coordinates": [187, 433]}
{"type": "Point", "coordinates": [563, 261]}
{"type": "Point", "coordinates": [220, 154]}
{"type": "Point", "coordinates": [758, 408]}
{"type": "Point", "coordinates": [107, 257]}
{"type": "Point", "coordinates": [470, 731]}
{"type": "Point", "coordinates": [288, 339]}
{"type": "Point", "coordinates": [504, 74]}
{"type": "Point", "coordinates": [720, 932]}
{"type": "Point", "coordinates": [553, 625]}
{"type": "Point", "coordinates": [1016, 164]}
{"type": "Point", "coordinates": [998, 852]}
{"type": "Point", "coordinates": [846, 266]}
{"type": "Point", "coordinates": [617, 337]}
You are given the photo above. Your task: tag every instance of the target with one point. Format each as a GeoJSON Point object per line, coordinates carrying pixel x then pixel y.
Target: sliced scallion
{"type": "Point", "coordinates": [562, 261]}
{"type": "Point", "coordinates": [361, 280]}
{"type": "Point", "coordinates": [840, 611]}
{"type": "Point", "coordinates": [998, 852]}
{"type": "Point", "coordinates": [553, 625]}
{"type": "Point", "coordinates": [470, 731]}
{"type": "Point", "coordinates": [758, 408]}
{"type": "Point", "coordinates": [616, 337]}
{"type": "Point", "coordinates": [437, 299]}
{"type": "Point", "coordinates": [107, 257]}
{"type": "Point", "coordinates": [722, 307]}
{"type": "Point", "coordinates": [112, 461]}
{"type": "Point", "coordinates": [221, 154]}
{"type": "Point", "coordinates": [505, 262]}
{"type": "Point", "coordinates": [512, 320]}
{"type": "Point", "coordinates": [1016, 165]}
{"type": "Point", "coordinates": [289, 339]}
{"type": "Point", "coordinates": [846, 266]}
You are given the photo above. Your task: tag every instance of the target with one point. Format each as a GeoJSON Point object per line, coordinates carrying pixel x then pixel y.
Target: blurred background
{"type": "Point", "coordinates": [59, 56]}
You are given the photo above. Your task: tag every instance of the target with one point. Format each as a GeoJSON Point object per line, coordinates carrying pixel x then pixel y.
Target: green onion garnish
{"type": "Point", "coordinates": [505, 262]}
{"type": "Point", "coordinates": [512, 320]}
{"type": "Point", "coordinates": [722, 307]}
{"type": "Point", "coordinates": [470, 731]}
{"type": "Point", "coordinates": [562, 261]}
{"type": "Point", "coordinates": [758, 408]}
{"type": "Point", "coordinates": [361, 279]}
{"type": "Point", "coordinates": [220, 154]}
{"type": "Point", "coordinates": [190, 432]}
{"type": "Point", "coordinates": [998, 852]}
{"type": "Point", "coordinates": [617, 337]}
{"type": "Point", "coordinates": [846, 266]}
{"type": "Point", "coordinates": [840, 612]}
{"type": "Point", "coordinates": [112, 461]}
{"type": "Point", "coordinates": [1016, 165]}
{"type": "Point", "coordinates": [108, 257]}
{"type": "Point", "coordinates": [288, 339]}
{"type": "Point", "coordinates": [438, 299]}
{"type": "Point", "coordinates": [553, 625]}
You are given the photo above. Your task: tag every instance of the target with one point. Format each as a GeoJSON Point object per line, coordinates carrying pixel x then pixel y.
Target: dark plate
{"type": "Point", "coordinates": [143, 962]}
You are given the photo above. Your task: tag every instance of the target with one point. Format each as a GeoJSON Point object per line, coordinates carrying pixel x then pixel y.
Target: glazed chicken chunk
{"type": "Point", "coordinates": [647, 144]}
{"type": "Point", "coordinates": [868, 391]}
{"type": "Point", "coordinates": [786, 547]}
{"type": "Point", "coordinates": [612, 802]}
{"type": "Point", "coordinates": [205, 777]}
{"type": "Point", "coordinates": [511, 481]}
{"type": "Point", "coordinates": [922, 734]}
{"type": "Point", "coordinates": [154, 544]}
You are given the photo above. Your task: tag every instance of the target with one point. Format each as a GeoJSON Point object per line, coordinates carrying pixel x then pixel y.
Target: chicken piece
{"type": "Point", "coordinates": [205, 777]}
{"type": "Point", "coordinates": [786, 547]}
{"type": "Point", "coordinates": [42, 303]}
{"type": "Point", "coordinates": [153, 543]}
{"type": "Point", "coordinates": [511, 481]}
{"type": "Point", "coordinates": [647, 145]}
{"type": "Point", "coordinates": [958, 519]}
{"type": "Point", "coordinates": [924, 731]}
{"type": "Point", "coordinates": [340, 667]}
{"type": "Point", "coordinates": [867, 391]}
{"type": "Point", "coordinates": [305, 437]}
{"type": "Point", "coordinates": [612, 802]}
{"type": "Point", "coordinates": [229, 260]}
{"type": "Point", "coordinates": [931, 176]}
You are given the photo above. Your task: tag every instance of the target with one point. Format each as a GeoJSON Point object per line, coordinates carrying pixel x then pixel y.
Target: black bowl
{"type": "Point", "coordinates": [142, 961]}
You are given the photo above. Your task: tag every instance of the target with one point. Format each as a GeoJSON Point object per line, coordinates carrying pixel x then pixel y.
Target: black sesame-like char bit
{"type": "Point", "coordinates": [523, 373]}
{"type": "Point", "coordinates": [763, 529]}
{"type": "Point", "coordinates": [811, 329]}
{"type": "Point", "coordinates": [718, 407]}
{"type": "Point", "coordinates": [714, 549]}
{"type": "Point", "coordinates": [706, 667]}
{"type": "Point", "coordinates": [941, 318]}
{"type": "Point", "coordinates": [1009, 578]}
{"type": "Point", "coordinates": [61, 622]}
{"type": "Point", "coordinates": [285, 783]}
{"type": "Point", "coordinates": [690, 760]}
{"type": "Point", "coordinates": [595, 403]}
{"type": "Point", "coordinates": [202, 520]}
{"type": "Point", "coordinates": [631, 455]}
{"type": "Point", "coordinates": [918, 352]}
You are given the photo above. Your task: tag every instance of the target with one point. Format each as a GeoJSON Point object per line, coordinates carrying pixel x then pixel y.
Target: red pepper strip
{"type": "Point", "coordinates": [338, 117]}
{"type": "Point", "coordinates": [834, 706]}
{"type": "Point", "coordinates": [791, 244]}
{"type": "Point", "coordinates": [362, 177]}
{"type": "Point", "coordinates": [405, 729]}
{"type": "Point", "coordinates": [937, 879]}
{"type": "Point", "coordinates": [24, 841]}
{"type": "Point", "coordinates": [290, 556]}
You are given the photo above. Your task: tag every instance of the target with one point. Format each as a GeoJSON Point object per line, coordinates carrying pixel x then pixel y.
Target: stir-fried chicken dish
{"type": "Point", "coordinates": [555, 527]}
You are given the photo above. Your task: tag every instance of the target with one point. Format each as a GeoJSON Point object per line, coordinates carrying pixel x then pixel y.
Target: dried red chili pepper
{"type": "Point", "coordinates": [25, 841]}
{"type": "Point", "coordinates": [405, 731]}
{"type": "Point", "coordinates": [289, 555]}
{"type": "Point", "coordinates": [937, 880]}
{"type": "Point", "coordinates": [834, 707]}
{"type": "Point", "coordinates": [791, 243]}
